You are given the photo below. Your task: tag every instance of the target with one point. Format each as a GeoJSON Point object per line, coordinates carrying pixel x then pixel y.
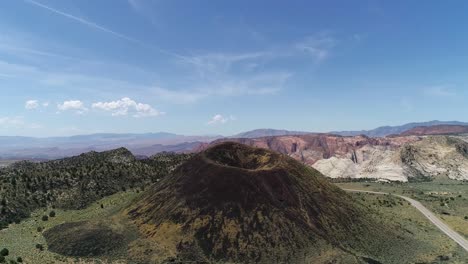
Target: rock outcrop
{"type": "Point", "coordinates": [397, 158]}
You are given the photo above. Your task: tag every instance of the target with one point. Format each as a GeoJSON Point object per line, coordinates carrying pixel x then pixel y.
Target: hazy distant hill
{"type": "Point", "coordinates": [60, 147]}
{"type": "Point", "coordinates": [377, 132]}
{"type": "Point", "coordinates": [390, 130]}
{"type": "Point", "coordinates": [436, 130]}
{"type": "Point", "coordinates": [185, 147]}
{"type": "Point", "coordinates": [265, 132]}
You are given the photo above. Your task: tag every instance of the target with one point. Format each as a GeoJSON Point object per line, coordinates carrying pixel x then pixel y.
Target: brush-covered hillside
{"type": "Point", "coordinates": [74, 183]}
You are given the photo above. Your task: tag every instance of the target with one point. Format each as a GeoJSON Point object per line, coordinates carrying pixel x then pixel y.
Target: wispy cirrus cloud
{"type": "Point", "coordinates": [20, 48]}
{"type": "Point", "coordinates": [82, 21]}
{"type": "Point", "coordinates": [261, 84]}
{"type": "Point", "coordinates": [250, 73]}
{"type": "Point", "coordinates": [8, 122]}
{"type": "Point", "coordinates": [16, 122]}
{"type": "Point", "coordinates": [104, 29]}
{"type": "Point", "coordinates": [145, 9]}
{"type": "Point", "coordinates": [204, 75]}
{"type": "Point", "coordinates": [439, 91]}
{"type": "Point", "coordinates": [317, 46]}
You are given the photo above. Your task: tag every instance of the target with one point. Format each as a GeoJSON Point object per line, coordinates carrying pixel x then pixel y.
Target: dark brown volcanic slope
{"type": "Point", "coordinates": [235, 203]}
{"type": "Point", "coordinates": [436, 130]}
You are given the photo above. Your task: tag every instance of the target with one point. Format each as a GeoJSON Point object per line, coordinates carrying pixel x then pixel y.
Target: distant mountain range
{"type": "Point", "coordinates": [377, 132]}
{"type": "Point", "coordinates": [393, 130]}
{"type": "Point", "coordinates": [265, 132]}
{"type": "Point", "coordinates": [17, 148]}
{"type": "Point", "coordinates": [436, 130]}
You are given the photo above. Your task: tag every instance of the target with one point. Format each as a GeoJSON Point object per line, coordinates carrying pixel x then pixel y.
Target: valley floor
{"type": "Point", "coordinates": [22, 239]}
{"type": "Point", "coordinates": [448, 199]}
{"type": "Point", "coordinates": [442, 250]}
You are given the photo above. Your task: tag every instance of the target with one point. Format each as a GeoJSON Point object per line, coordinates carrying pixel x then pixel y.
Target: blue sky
{"type": "Point", "coordinates": [222, 67]}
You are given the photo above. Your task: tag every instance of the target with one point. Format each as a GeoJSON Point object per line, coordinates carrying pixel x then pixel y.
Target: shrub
{"type": "Point", "coordinates": [45, 218]}
{"type": "Point", "coordinates": [2, 259]}
{"type": "Point", "coordinates": [19, 259]}
{"type": "Point", "coordinates": [39, 229]}
{"type": "Point", "coordinates": [52, 214]}
{"type": "Point", "coordinates": [4, 252]}
{"type": "Point", "coordinates": [40, 247]}
{"type": "Point", "coordinates": [466, 217]}
{"type": "Point", "coordinates": [3, 224]}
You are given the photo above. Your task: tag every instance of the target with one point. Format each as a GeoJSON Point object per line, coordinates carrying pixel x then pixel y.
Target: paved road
{"type": "Point", "coordinates": [429, 215]}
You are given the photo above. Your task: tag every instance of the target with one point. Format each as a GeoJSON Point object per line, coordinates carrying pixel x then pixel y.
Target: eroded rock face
{"type": "Point", "coordinates": [396, 158]}
{"type": "Point", "coordinates": [313, 147]}
{"type": "Point", "coordinates": [437, 156]}
{"type": "Point", "coordinates": [379, 162]}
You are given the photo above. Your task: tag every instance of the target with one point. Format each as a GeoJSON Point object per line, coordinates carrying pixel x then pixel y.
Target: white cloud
{"type": "Point", "coordinates": [31, 104]}
{"type": "Point", "coordinates": [125, 106]}
{"type": "Point", "coordinates": [45, 104]}
{"type": "Point", "coordinates": [72, 105]}
{"type": "Point", "coordinates": [220, 119]}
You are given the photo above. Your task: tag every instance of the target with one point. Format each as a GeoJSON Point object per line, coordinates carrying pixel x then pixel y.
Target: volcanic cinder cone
{"type": "Point", "coordinates": [235, 203]}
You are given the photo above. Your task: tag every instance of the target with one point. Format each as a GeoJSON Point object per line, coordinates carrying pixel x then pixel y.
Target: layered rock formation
{"type": "Point", "coordinates": [398, 158]}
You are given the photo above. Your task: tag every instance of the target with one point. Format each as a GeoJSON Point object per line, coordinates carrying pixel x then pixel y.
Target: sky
{"type": "Point", "coordinates": [72, 67]}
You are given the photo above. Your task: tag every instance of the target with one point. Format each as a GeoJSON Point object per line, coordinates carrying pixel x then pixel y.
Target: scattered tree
{"type": "Point", "coordinates": [52, 214]}
{"type": "Point", "coordinates": [45, 218]}
{"type": "Point", "coordinates": [4, 252]}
